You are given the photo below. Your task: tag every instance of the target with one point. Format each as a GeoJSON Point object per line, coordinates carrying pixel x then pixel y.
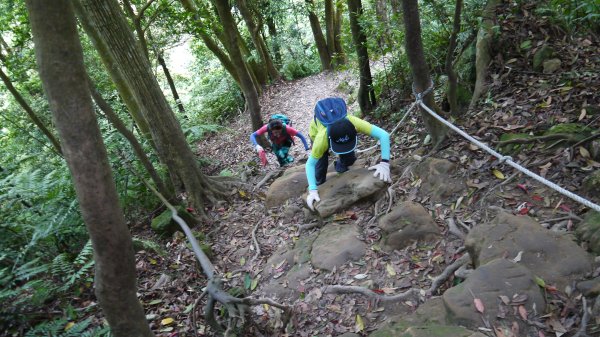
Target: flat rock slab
{"type": "Point", "coordinates": [552, 256]}
{"type": "Point", "coordinates": [488, 282]}
{"type": "Point", "coordinates": [407, 222]}
{"type": "Point", "coordinates": [343, 190]}
{"type": "Point", "coordinates": [336, 245]}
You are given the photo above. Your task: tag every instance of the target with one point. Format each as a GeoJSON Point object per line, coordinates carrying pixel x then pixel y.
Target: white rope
{"type": "Point", "coordinates": [394, 130]}
{"type": "Point", "coordinates": [509, 159]}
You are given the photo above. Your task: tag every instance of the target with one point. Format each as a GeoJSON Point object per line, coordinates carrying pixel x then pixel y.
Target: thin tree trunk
{"type": "Point", "coordinates": [320, 41]}
{"type": "Point", "coordinates": [259, 43]}
{"type": "Point", "coordinates": [171, 144]}
{"type": "Point", "coordinates": [329, 24]}
{"type": "Point", "coordinates": [114, 119]}
{"type": "Point", "coordinates": [167, 73]}
{"type": "Point", "coordinates": [452, 78]}
{"type": "Point", "coordinates": [420, 70]}
{"type": "Point", "coordinates": [482, 50]}
{"type": "Point", "coordinates": [232, 45]}
{"type": "Point", "coordinates": [209, 42]}
{"type": "Point", "coordinates": [60, 60]}
{"type": "Point", "coordinates": [274, 39]}
{"type": "Point", "coordinates": [340, 55]}
{"type": "Point", "coordinates": [115, 74]}
{"type": "Point", "coordinates": [34, 118]}
{"type": "Point", "coordinates": [366, 92]}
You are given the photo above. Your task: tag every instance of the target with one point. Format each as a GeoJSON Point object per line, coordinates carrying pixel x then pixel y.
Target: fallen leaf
{"type": "Point", "coordinates": [478, 305]}
{"type": "Point", "coordinates": [360, 325]}
{"type": "Point", "coordinates": [504, 299]}
{"type": "Point", "coordinates": [519, 299]}
{"type": "Point", "coordinates": [540, 282]}
{"type": "Point", "coordinates": [584, 152]}
{"type": "Point", "coordinates": [518, 257]}
{"type": "Point", "coordinates": [242, 261]}
{"type": "Point", "coordinates": [254, 284]}
{"type": "Point", "coordinates": [582, 114]}
{"type": "Point", "coordinates": [390, 270]}
{"type": "Point", "coordinates": [167, 321]}
{"type": "Point", "coordinates": [499, 332]}
{"type": "Point", "coordinates": [280, 264]}
{"type": "Point", "coordinates": [69, 326]}
{"type": "Point", "coordinates": [498, 174]}
{"type": "Point", "coordinates": [523, 312]}
{"type": "Point", "coordinates": [523, 187]}
{"type": "Point", "coordinates": [360, 276]}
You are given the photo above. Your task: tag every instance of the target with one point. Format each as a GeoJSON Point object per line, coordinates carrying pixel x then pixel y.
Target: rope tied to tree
{"type": "Point", "coordinates": [419, 96]}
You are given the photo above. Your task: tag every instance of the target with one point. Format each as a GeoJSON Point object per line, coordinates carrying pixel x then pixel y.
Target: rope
{"type": "Point", "coordinates": [394, 130]}
{"type": "Point", "coordinates": [506, 159]}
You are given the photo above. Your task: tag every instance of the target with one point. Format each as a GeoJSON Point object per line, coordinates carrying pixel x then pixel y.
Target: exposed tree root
{"type": "Point", "coordinates": [435, 284]}
{"type": "Point", "coordinates": [569, 137]}
{"type": "Point", "coordinates": [237, 308]}
{"type": "Point", "coordinates": [584, 321]}
{"type": "Point", "coordinates": [273, 174]}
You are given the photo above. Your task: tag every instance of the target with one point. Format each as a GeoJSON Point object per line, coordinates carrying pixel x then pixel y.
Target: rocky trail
{"type": "Point", "coordinates": [458, 245]}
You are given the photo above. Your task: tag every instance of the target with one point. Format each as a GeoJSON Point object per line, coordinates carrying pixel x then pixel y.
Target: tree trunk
{"type": "Point", "coordinates": [168, 136]}
{"type": "Point", "coordinates": [115, 74]}
{"type": "Point", "coordinates": [274, 39]}
{"type": "Point", "coordinates": [60, 60]}
{"type": "Point", "coordinates": [167, 73]}
{"type": "Point", "coordinates": [232, 45]}
{"type": "Point", "coordinates": [420, 70]}
{"type": "Point", "coordinates": [259, 43]}
{"type": "Point", "coordinates": [329, 24]}
{"type": "Point", "coordinates": [482, 50]}
{"type": "Point", "coordinates": [114, 119]}
{"type": "Point", "coordinates": [452, 78]}
{"type": "Point", "coordinates": [34, 118]}
{"type": "Point", "coordinates": [366, 92]}
{"type": "Point", "coordinates": [340, 55]}
{"type": "Point", "coordinates": [320, 42]}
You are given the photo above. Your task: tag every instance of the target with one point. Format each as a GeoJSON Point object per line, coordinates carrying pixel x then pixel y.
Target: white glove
{"type": "Point", "coordinates": [259, 148]}
{"type": "Point", "coordinates": [383, 170]}
{"type": "Point", "coordinates": [313, 196]}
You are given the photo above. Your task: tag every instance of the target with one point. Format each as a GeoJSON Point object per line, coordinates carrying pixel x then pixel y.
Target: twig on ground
{"type": "Point", "coordinates": [506, 181]}
{"type": "Point", "coordinates": [308, 226]}
{"type": "Point", "coordinates": [440, 279]}
{"type": "Point", "coordinates": [453, 229]}
{"type": "Point", "coordinates": [437, 282]}
{"type": "Point", "coordinates": [272, 174]}
{"type": "Point", "coordinates": [255, 242]}
{"type": "Point", "coordinates": [584, 321]}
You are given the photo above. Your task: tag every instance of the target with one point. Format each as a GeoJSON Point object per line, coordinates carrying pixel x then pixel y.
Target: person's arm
{"type": "Point", "coordinates": [257, 133]}
{"type": "Point", "coordinates": [301, 136]}
{"type": "Point", "coordinates": [384, 139]}
{"type": "Point", "coordinates": [310, 169]}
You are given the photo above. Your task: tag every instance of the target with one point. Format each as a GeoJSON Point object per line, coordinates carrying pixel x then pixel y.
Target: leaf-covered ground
{"type": "Point", "coordinates": [520, 100]}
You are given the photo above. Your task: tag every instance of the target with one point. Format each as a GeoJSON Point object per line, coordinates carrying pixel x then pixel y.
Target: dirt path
{"type": "Point", "coordinates": [295, 99]}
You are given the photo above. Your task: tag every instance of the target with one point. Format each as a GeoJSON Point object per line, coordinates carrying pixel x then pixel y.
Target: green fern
{"type": "Point", "coordinates": [58, 328]}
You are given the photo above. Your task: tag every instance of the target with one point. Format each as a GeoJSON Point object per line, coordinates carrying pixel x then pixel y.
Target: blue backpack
{"type": "Point", "coordinates": [283, 118]}
{"type": "Point", "coordinates": [330, 110]}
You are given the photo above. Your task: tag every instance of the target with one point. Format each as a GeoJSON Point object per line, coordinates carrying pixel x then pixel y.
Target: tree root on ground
{"type": "Point", "coordinates": [237, 308]}
{"type": "Point", "coordinates": [435, 284]}
{"type": "Point", "coordinates": [569, 137]}
{"type": "Point", "coordinates": [273, 174]}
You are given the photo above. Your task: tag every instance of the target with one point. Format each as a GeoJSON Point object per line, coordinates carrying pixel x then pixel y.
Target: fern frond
{"type": "Point", "coordinates": [85, 254]}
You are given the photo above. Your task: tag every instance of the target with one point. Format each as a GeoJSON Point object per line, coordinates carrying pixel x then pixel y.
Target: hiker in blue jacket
{"type": "Point", "coordinates": [333, 129]}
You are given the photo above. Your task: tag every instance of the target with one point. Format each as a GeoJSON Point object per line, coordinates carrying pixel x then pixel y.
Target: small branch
{"type": "Point", "coordinates": [255, 242]}
{"type": "Point", "coordinates": [272, 174]}
{"type": "Point", "coordinates": [337, 289]}
{"type": "Point", "coordinates": [440, 279]}
{"type": "Point", "coordinates": [453, 229]}
{"type": "Point", "coordinates": [561, 136]}
{"type": "Point", "coordinates": [584, 321]}
{"type": "Point", "coordinates": [585, 140]}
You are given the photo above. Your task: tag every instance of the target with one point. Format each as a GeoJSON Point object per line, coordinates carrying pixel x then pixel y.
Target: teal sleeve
{"type": "Point", "coordinates": [384, 140]}
{"type": "Point", "coordinates": [311, 164]}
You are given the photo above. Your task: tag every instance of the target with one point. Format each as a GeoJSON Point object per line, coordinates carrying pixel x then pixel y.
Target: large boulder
{"type": "Point", "coordinates": [406, 223]}
{"type": "Point", "coordinates": [343, 190]}
{"type": "Point", "coordinates": [164, 224]}
{"type": "Point", "coordinates": [336, 245]}
{"type": "Point", "coordinates": [552, 256]}
{"type": "Point", "coordinates": [487, 283]}
{"type": "Point", "coordinates": [440, 181]}
{"type": "Point", "coordinates": [291, 185]}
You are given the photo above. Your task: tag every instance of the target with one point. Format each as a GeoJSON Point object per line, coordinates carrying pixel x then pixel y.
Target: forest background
{"type": "Point", "coordinates": [150, 117]}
